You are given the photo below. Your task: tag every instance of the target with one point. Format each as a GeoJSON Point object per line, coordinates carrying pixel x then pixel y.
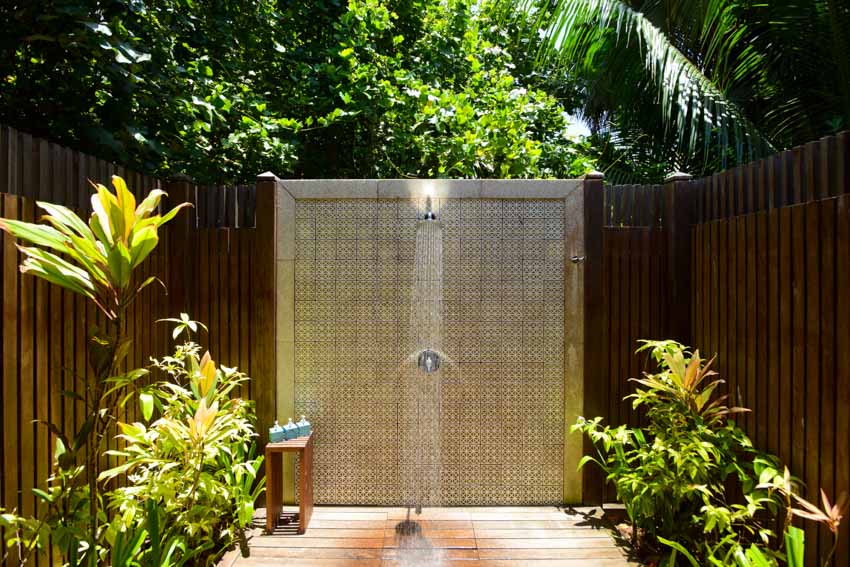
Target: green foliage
{"type": "Point", "coordinates": [697, 85]}
{"type": "Point", "coordinates": [192, 473]}
{"type": "Point", "coordinates": [95, 260]}
{"type": "Point", "coordinates": [65, 515]}
{"type": "Point", "coordinates": [672, 476]}
{"type": "Point", "coordinates": [99, 257]}
{"type": "Point", "coordinates": [224, 90]}
{"type": "Point", "coordinates": [457, 109]}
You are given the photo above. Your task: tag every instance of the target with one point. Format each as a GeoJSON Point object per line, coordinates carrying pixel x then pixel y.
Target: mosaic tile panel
{"type": "Point", "coordinates": [502, 394]}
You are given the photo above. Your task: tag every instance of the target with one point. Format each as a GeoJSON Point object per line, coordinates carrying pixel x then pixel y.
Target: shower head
{"type": "Point", "coordinates": [429, 215]}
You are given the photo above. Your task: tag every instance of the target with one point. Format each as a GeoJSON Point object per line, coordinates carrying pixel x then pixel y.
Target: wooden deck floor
{"type": "Point", "coordinates": [467, 537]}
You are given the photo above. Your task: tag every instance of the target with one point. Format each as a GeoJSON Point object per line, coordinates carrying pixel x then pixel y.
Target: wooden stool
{"type": "Point", "coordinates": [274, 480]}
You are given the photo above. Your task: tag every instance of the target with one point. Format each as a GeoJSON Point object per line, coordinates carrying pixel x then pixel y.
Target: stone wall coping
{"type": "Point", "coordinates": [437, 188]}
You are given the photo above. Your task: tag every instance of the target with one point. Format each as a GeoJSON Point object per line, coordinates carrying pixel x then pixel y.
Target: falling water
{"type": "Point", "coordinates": [420, 458]}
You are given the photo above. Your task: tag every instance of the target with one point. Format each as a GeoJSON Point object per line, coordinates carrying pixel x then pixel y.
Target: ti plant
{"type": "Point", "coordinates": [96, 260]}
{"type": "Point", "coordinates": [195, 464]}
{"type": "Point", "coordinates": [673, 474]}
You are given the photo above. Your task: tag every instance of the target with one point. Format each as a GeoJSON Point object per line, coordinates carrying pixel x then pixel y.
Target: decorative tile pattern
{"type": "Point", "coordinates": [502, 390]}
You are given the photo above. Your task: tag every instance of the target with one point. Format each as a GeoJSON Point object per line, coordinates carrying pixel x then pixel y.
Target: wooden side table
{"type": "Point", "coordinates": [274, 480]}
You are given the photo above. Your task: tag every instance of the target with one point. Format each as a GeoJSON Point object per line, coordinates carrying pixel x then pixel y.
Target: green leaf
{"type": "Point", "coordinates": [120, 265]}
{"type": "Point", "coordinates": [757, 558]}
{"type": "Point", "coordinates": [172, 213]}
{"type": "Point", "coordinates": [143, 243]}
{"type": "Point", "coordinates": [149, 204]}
{"type": "Point", "coordinates": [146, 403]}
{"type": "Point", "coordinates": [37, 234]}
{"type": "Point", "coordinates": [795, 543]}
{"type": "Point", "coordinates": [678, 547]}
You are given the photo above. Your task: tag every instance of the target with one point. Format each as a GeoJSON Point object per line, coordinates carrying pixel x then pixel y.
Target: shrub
{"type": "Point", "coordinates": [193, 471]}
{"type": "Point", "coordinates": [672, 476]}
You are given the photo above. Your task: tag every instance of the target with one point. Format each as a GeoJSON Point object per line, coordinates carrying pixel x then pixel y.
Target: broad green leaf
{"type": "Point", "coordinates": [149, 204]}
{"type": "Point", "coordinates": [172, 213]}
{"type": "Point", "coordinates": [99, 222]}
{"type": "Point", "coordinates": [142, 244]}
{"type": "Point", "coordinates": [795, 542]}
{"type": "Point", "coordinates": [120, 265]}
{"type": "Point", "coordinates": [60, 266]}
{"type": "Point", "coordinates": [64, 216]}
{"type": "Point", "coordinates": [678, 547]}
{"type": "Point", "coordinates": [146, 403]}
{"type": "Point", "coordinates": [126, 204]}
{"type": "Point", "coordinates": [37, 234]}
{"type": "Point", "coordinates": [52, 275]}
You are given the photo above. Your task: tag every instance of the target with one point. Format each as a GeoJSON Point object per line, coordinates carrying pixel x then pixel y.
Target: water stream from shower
{"type": "Point", "coordinates": [420, 458]}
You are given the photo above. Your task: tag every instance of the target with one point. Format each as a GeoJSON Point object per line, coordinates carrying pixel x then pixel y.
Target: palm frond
{"type": "Point", "coordinates": [693, 106]}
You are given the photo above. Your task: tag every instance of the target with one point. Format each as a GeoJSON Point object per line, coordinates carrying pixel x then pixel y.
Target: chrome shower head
{"type": "Point", "coordinates": [429, 215]}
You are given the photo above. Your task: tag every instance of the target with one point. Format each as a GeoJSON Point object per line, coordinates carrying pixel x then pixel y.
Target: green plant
{"type": "Point", "coordinates": [698, 84]}
{"type": "Point", "coordinates": [672, 475]}
{"type": "Point", "coordinates": [195, 465]}
{"type": "Point", "coordinates": [95, 260]}
{"type": "Point", "coordinates": [129, 547]}
{"type": "Point", "coordinates": [64, 520]}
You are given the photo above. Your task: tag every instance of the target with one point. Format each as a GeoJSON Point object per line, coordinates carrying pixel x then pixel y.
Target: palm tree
{"type": "Point", "coordinates": [700, 83]}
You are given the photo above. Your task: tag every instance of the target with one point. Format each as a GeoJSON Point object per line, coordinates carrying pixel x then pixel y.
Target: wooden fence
{"type": "Point", "coordinates": [206, 258]}
{"type": "Point", "coordinates": [43, 343]}
{"type": "Point", "coordinates": [635, 264]}
{"type": "Point", "coordinates": [767, 251]}
{"type": "Point", "coordinates": [750, 264]}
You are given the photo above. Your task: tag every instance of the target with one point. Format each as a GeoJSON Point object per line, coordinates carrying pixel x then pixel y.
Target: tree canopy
{"type": "Point", "coordinates": [224, 89]}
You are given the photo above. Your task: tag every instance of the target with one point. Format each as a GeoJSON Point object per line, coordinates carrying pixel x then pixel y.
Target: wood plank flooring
{"type": "Point", "coordinates": [466, 537]}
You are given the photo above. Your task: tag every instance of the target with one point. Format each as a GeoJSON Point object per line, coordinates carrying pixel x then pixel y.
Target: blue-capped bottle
{"type": "Point", "coordinates": [303, 427]}
{"type": "Point", "coordinates": [276, 433]}
{"type": "Point", "coordinates": [290, 430]}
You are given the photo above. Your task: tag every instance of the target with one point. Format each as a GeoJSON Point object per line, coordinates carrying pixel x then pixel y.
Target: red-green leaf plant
{"type": "Point", "coordinates": [95, 260]}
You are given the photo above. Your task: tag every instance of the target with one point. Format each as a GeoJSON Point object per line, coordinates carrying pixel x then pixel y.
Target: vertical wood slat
{"type": "Point", "coordinates": [11, 461]}
{"type": "Point", "coordinates": [826, 313]}
{"type": "Point", "coordinates": [26, 376]}
{"type": "Point", "coordinates": [615, 323]}
{"type": "Point", "coordinates": [773, 349]}
{"type": "Point", "coordinates": [842, 359]}
{"type": "Point", "coordinates": [812, 343]}
{"type": "Point", "coordinates": [751, 327]}
{"type": "Point", "coordinates": [798, 293]}
{"type": "Point", "coordinates": [760, 359]}
{"type": "Point", "coordinates": [264, 304]}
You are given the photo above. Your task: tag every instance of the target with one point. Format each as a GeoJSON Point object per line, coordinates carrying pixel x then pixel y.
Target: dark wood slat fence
{"type": "Point", "coordinates": [767, 251]}
{"type": "Point", "coordinates": [205, 258]}
{"type": "Point", "coordinates": [750, 264]}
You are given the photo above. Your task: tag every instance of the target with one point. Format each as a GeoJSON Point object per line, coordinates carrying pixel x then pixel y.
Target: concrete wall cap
{"type": "Point", "coordinates": [267, 176]}
{"type": "Point", "coordinates": [677, 176]}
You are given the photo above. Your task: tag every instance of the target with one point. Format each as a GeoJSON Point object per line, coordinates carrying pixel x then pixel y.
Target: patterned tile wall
{"type": "Point", "coordinates": [502, 394]}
